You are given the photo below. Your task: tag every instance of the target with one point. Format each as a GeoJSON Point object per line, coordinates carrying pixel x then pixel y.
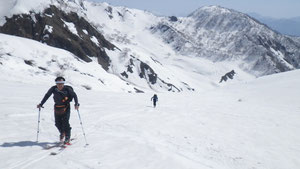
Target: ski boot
{"type": "Point", "coordinates": [61, 137]}
{"type": "Point", "coordinates": [67, 140]}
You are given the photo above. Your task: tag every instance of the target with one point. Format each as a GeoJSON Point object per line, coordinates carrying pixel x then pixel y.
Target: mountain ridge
{"type": "Point", "coordinates": [222, 28]}
{"type": "Point", "coordinates": [165, 53]}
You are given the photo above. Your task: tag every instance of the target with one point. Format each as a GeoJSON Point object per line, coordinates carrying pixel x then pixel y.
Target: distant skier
{"type": "Point", "coordinates": [154, 99]}
{"type": "Point", "coordinates": [62, 95]}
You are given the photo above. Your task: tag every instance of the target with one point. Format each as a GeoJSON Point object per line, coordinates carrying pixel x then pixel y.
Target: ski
{"type": "Point", "coordinates": [61, 147]}
{"type": "Point", "coordinates": [53, 153]}
{"type": "Point", "coordinates": [48, 147]}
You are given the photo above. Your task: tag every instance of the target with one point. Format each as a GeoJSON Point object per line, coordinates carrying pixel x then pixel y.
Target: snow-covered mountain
{"type": "Point", "coordinates": [145, 51]}
{"type": "Point", "coordinates": [222, 34]}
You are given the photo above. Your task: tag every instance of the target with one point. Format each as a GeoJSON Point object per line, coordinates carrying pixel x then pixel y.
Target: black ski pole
{"type": "Point", "coordinates": [38, 128]}
{"type": "Point", "coordinates": [82, 127]}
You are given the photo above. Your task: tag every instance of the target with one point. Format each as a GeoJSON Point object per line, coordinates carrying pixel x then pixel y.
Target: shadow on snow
{"type": "Point", "coordinates": [26, 144]}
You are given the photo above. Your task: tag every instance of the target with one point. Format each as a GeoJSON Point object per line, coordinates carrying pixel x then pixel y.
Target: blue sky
{"type": "Point", "coordinates": [271, 8]}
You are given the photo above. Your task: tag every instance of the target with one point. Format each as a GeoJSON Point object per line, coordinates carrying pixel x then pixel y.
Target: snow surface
{"type": "Point", "coordinates": [95, 40]}
{"type": "Point", "coordinates": [11, 7]}
{"type": "Point", "coordinates": [85, 31]}
{"type": "Point", "coordinates": [49, 28]}
{"type": "Point", "coordinates": [247, 125]}
{"type": "Point", "coordinates": [48, 62]}
{"type": "Point", "coordinates": [71, 27]}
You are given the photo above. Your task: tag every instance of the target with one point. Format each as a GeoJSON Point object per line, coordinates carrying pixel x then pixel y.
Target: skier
{"type": "Point", "coordinates": [154, 99]}
{"type": "Point", "coordinates": [62, 95]}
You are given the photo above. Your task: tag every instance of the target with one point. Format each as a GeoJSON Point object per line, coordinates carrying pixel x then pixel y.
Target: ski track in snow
{"type": "Point", "coordinates": [28, 162]}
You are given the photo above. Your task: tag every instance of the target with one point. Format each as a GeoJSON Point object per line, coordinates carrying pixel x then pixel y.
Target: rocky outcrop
{"type": "Point", "coordinates": [227, 76]}
{"type": "Point", "coordinates": [62, 30]}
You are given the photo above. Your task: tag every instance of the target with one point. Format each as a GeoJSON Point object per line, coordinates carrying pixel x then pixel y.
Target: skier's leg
{"type": "Point", "coordinates": [66, 125]}
{"type": "Point", "coordinates": [58, 122]}
{"type": "Point", "coordinates": [59, 126]}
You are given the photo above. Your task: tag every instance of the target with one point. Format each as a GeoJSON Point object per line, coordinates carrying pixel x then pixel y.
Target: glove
{"type": "Point", "coordinates": [77, 106]}
{"type": "Point", "coordinates": [39, 106]}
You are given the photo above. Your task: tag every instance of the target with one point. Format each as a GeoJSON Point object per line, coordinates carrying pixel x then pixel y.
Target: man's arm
{"type": "Point", "coordinates": [74, 95]}
{"type": "Point", "coordinates": [76, 100]}
{"type": "Point", "coordinates": [47, 95]}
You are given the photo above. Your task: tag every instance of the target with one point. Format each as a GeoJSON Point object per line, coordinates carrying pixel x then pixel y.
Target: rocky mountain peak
{"type": "Point", "coordinates": [63, 30]}
{"type": "Point", "coordinates": [223, 19]}
{"type": "Point", "coordinates": [210, 9]}
{"type": "Point", "coordinates": [222, 34]}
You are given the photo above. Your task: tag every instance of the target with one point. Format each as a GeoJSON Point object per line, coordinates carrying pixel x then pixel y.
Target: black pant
{"type": "Point", "coordinates": [62, 123]}
{"type": "Point", "coordinates": [154, 103]}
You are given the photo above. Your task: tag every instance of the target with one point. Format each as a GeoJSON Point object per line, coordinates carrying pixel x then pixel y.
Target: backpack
{"type": "Point", "coordinates": [66, 98]}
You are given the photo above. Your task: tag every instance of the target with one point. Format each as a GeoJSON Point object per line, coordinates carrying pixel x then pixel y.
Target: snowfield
{"type": "Point", "coordinates": [247, 125]}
